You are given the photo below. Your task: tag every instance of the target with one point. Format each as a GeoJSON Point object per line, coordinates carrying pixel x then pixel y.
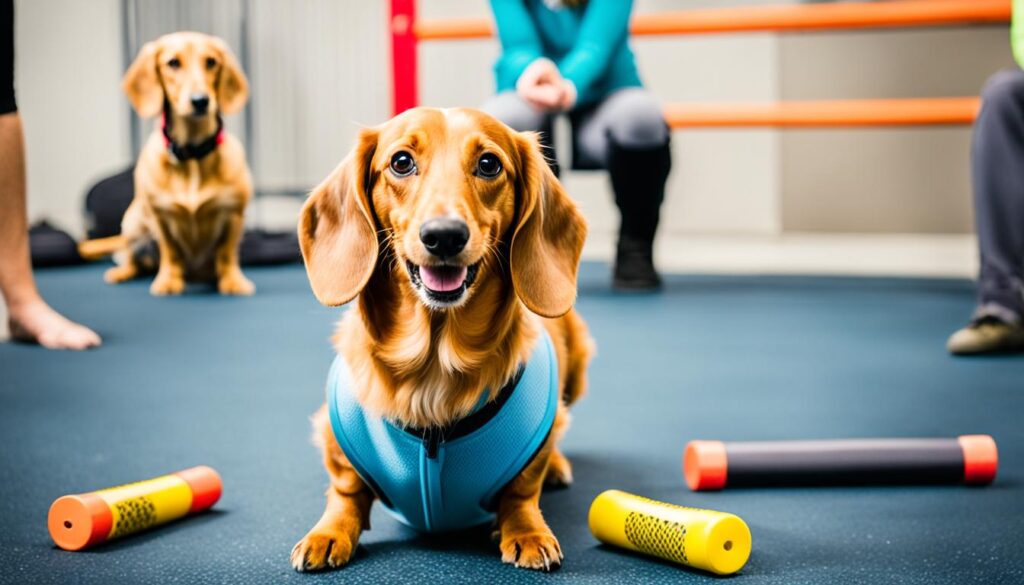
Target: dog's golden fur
{"type": "Point", "coordinates": [192, 208]}
{"type": "Point", "coordinates": [421, 365]}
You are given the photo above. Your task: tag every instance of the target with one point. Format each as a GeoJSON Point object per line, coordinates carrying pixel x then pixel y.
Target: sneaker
{"type": "Point", "coordinates": [987, 335]}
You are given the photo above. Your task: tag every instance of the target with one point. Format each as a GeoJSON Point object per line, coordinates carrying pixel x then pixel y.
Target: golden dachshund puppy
{"type": "Point", "coordinates": [191, 180]}
{"type": "Point", "coordinates": [461, 251]}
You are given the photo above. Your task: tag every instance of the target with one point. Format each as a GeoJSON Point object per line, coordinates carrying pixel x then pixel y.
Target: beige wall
{"type": "Point", "coordinates": [67, 73]}
{"type": "Point", "coordinates": [883, 180]}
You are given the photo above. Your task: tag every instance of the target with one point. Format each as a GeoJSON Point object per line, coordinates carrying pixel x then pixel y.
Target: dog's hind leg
{"type": "Point", "coordinates": [559, 472]}
{"type": "Point", "coordinates": [133, 230]}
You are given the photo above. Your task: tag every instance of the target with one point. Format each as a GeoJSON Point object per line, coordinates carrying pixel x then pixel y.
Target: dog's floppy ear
{"type": "Point", "coordinates": [548, 239]}
{"type": "Point", "coordinates": [141, 83]}
{"type": "Point", "coordinates": [232, 85]}
{"type": "Point", "coordinates": [337, 231]}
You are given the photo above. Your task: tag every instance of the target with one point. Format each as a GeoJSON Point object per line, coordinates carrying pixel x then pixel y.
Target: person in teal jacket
{"type": "Point", "coordinates": [573, 57]}
{"type": "Point", "coordinates": [997, 165]}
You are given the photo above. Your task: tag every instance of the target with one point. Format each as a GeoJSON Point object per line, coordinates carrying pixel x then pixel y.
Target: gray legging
{"type": "Point", "coordinates": [630, 117]}
{"type": "Point", "coordinates": [997, 161]}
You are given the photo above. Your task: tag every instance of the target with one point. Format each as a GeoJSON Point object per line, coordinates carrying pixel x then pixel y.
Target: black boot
{"type": "Point", "coordinates": [638, 178]}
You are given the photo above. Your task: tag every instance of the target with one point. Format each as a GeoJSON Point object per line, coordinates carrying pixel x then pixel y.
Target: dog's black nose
{"type": "Point", "coordinates": [444, 237]}
{"type": "Point", "coordinates": [200, 102]}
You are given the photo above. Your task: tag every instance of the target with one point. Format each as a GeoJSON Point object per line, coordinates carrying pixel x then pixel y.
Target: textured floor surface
{"type": "Point", "coordinates": [230, 383]}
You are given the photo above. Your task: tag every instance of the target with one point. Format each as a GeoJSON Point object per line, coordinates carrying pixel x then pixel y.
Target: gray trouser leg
{"type": "Point", "coordinates": [631, 118]}
{"type": "Point", "coordinates": [514, 112]}
{"type": "Point", "coordinates": [997, 161]}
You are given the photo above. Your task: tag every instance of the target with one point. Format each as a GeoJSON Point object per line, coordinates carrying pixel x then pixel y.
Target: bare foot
{"type": "Point", "coordinates": [36, 322]}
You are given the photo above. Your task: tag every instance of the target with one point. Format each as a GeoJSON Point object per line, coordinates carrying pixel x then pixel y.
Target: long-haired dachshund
{"type": "Point", "coordinates": [191, 180]}
{"type": "Point", "coordinates": [458, 361]}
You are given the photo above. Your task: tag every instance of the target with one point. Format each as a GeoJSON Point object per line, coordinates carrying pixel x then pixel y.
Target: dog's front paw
{"type": "Point", "coordinates": [322, 550]}
{"type": "Point", "coordinates": [235, 284]}
{"type": "Point", "coordinates": [539, 551]}
{"type": "Point", "coordinates": [167, 285]}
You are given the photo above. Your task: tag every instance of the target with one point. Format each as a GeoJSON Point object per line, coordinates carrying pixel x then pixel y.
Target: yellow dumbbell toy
{"type": "Point", "coordinates": [704, 539]}
{"type": "Point", "coordinates": [82, 520]}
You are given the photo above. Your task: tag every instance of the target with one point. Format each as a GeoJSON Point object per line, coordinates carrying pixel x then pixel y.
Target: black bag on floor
{"type": "Point", "coordinates": [50, 246]}
{"type": "Point", "coordinates": [106, 202]}
{"type": "Point", "coordinates": [260, 247]}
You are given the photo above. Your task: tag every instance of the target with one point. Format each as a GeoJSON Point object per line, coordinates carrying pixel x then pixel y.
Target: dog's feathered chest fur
{"type": "Point", "coordinates": [448, 479]}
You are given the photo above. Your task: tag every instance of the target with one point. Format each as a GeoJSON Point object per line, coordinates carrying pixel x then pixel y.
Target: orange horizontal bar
{"type": "Point", "coordinates": [898, 13]}
{"type": "Point", "coordinates": [889, 112]}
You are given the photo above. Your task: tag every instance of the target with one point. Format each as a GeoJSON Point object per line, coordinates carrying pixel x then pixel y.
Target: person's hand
{"type": "Point", "coordinates": [551, 97]}
{"type": "Point", "coordinates": [544, 97]}
{"type": "Point", "coordinates": [544, 88]}
{"type": "Point", "coordinates": [541, 71]}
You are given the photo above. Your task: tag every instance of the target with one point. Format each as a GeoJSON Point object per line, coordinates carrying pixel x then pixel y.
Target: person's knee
{"type": "Point", "coordinates": [514, 112]}
{"type": "Point", "coordinates": [1004, 90]}
{"type": "Point", "coordinates": [637, 121]}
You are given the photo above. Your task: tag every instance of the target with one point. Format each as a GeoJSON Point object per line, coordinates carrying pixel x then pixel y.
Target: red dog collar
{"type": "Point", "coordinates": [198, 151]}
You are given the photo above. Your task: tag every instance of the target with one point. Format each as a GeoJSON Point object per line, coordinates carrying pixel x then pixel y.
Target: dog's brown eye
{"type": "Point", "coordinates": [174, 63]}
{"type": "Point", "coordinates": [402, 164]}
{"type": "Point", "coordinates": [488, 166]}
{"type": "Point", "coordinates": [211, 62]}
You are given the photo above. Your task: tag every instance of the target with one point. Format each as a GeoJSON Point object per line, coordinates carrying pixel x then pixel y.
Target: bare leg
{"type": "Point", "coordinates": [30, 318]}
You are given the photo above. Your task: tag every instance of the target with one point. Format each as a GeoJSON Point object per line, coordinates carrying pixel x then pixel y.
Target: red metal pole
{"type": "Point", "coordinates": [403, 56]}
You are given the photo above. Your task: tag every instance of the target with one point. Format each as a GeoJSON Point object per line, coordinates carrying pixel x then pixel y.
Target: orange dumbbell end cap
{"type": "Point", "coordinates": [981, 458]}
{"type": "Point", "coordinates": [206, 486]}
{"type": "Point", "coordinates": [79, 521]}
{"type": "Point", "coordinates": [705, 465]}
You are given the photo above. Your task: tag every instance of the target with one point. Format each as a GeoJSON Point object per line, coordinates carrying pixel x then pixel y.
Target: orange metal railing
{"type": "Point", "coordinates": [407, 32]}
{"type": "Point", "coordinates": [806, 17]}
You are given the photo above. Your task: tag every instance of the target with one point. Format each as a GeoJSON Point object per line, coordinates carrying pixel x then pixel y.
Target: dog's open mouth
{"type": "Point", "coordinates": [444, 284]}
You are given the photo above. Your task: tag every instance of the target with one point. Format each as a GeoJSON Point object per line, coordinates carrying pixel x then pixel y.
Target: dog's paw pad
{"type": "Point", "coordinates": [322, 550]}
{"type": "Point", "coordinates": [539, 551]}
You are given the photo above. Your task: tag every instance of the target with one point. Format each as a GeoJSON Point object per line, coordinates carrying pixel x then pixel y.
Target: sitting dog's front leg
{"type": "Point", "coordinates": [333, 539]}
{"type": "Point", "coordinates": [526, 540]}
{"type": "Point", "coordinates": [230, 280]}
{"type": "Point", "coordinates": [170, 276]}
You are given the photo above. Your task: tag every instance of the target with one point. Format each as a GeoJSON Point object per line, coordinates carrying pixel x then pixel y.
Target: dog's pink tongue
{"type": "Point", "coordinates": [443, 278]}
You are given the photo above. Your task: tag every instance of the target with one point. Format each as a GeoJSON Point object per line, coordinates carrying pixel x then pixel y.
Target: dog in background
{"type": "Point", "coordinates": [461, 249]}
{"type": "Point", "coordinates": [191, 180]}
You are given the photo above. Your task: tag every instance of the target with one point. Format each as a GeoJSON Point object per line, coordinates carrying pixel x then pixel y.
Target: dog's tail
{"type": "Point", "coordinates": [100, 247]}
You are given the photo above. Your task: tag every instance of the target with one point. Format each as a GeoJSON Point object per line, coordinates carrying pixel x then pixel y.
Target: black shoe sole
{"type": "Point", "coordinates": [625, 285]}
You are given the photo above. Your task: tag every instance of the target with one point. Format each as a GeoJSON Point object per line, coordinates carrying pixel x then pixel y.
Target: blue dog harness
{"type": "Point", "coordinates": [440, 479]}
